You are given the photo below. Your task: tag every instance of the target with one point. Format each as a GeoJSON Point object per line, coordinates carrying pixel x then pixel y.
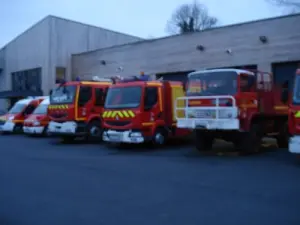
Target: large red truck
{"type": "Point", "coordinates": [294, 116]}
{"type": "Point", "coordinates": [75, 109]}
{"type": "Point", "coordinates": [139, 111]}
{"type": "Point", "coordinates": [239, 106]}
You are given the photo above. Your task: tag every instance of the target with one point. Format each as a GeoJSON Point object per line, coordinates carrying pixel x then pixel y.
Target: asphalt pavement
{"type": "Point", "coordinates": [44, 182]}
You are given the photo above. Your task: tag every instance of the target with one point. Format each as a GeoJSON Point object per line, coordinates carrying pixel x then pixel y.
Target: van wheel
{"type": "Point", "coordinates": [18, 129]}
{"type": "Point", "coordinates": [95, 131]}
{"type": "Point", "coordinates": [203, 141]}
{"type": "Point", "coordinates": [45, 131]}
{"type": "Point", "coordinates": [250, 142]}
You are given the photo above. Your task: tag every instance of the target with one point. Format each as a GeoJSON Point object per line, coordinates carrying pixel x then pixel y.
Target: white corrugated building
{"type": "Point", "coordinates": [31, 63]}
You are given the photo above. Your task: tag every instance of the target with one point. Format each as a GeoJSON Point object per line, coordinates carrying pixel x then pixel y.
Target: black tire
{"type": "Point", "coordinates": [67, 139]}
{"type": "Point", "coordinates": [203, 141]}
{"type": "Point", "coordinates": [94, 131]}
{"type": "Point", "coordinates": [45, 132]}
{"type": "Point", "coordinates": [283, 137]}
{"type": "Point", "coordinates": [18, 129]}
{"type": "Point", "coordinates": [159, 138]}
{"type": "Point", "coordinates": [250, 142]}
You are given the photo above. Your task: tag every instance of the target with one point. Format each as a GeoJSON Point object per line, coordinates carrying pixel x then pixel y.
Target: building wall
{"type": "Point", "coordinates": [69, 37]}
{"type": "Point", "coordinates": [179, 53]}
{"type": "Point", "coordinates": [27, 51]}
{"type": "Point", "coordinates": [2, 80]}
{"type": "Point", "coordinates": [50, 43]}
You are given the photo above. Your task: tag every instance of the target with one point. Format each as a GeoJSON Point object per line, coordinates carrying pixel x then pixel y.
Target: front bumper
{"type": "Point", "coordinates": [33, 130]}
{"type": "Point", "coordinates": [294, 145]}
{"type": "Point", "coordinates": [69, 128]}
{"type": "Point", "coordinates": [209, 124]}
{"type": "Point", "coordinates": [8, 126]}
{"type": "Point", "coordinates": [123, 137]}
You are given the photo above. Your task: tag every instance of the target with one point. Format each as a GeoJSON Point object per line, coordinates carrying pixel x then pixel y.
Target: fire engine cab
{"type": "Point", "coordinates": [140, 110]}
{"type": "Point", "coordinates": [239, 106]}
{"type": "Point", "coordinates": [75, 109]}
{"type": "Point", "coordinates": [294, 116]}
{"type": "Point", "coordinates": [22, 109]}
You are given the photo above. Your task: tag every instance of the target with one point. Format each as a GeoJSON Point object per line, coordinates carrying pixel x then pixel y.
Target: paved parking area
{"type": "Point", "coordinates": [43, 182]}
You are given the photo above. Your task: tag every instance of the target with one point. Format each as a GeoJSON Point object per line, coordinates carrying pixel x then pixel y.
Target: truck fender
{"type": "Point", "coordinates": [94, 118]}
{"type": "Point", "coordinates": [248, 121]}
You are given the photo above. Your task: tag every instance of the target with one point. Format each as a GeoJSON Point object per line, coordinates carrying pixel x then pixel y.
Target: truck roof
{"type": "Point", "coordinates": [88, 83]}
{"type": "Point", "coordinates": [238, 71]}
{"type": "Point", "coordinates": [144, 83]}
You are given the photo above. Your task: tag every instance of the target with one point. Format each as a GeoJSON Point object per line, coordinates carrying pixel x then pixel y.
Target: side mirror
{"type": "Point", "coordinates": [50, 92]}
{"type": "Point", "coordinates": [285, 96]}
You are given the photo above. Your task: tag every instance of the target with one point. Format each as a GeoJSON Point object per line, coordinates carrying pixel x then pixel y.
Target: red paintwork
{"type": "Point", "coordinates": [42, 118]}
{"type": "Point", "coordinates": [258, 102]}
{"type": "Point", "coordinates": [294, 123]}
{"type": "Point", "coordinates": [160, 119]}
{"type": "Point", "coordinates": [20, 117]}
{"type": "Point", "coordinates": [73, 112]}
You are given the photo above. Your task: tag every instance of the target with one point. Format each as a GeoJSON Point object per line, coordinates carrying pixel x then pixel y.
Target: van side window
{"type": "Point", "coordinates": [85, 94]}
{"type": "Point", "coordinates": [99, 95]}
{"type": "Point", "coordinates": [29, 109]}
{"type": "Point", "coordinates": [151, 97]}
{"type": "Point", "coordinates": [247, 83]}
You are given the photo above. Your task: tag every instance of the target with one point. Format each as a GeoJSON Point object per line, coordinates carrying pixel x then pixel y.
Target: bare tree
{"type": "Point", "coordinates": [191, 17]}
{"type": "Point", "coordinates": [292, 5]}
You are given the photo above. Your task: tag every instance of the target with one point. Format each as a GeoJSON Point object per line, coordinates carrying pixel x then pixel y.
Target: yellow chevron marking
{"type": "Point", "coordinates": [104, 114]}
{"type": "Point", "coordinates": [120, 114]}
{"type": "Point", "coordinates": [131, 113]}
{"type": "Point", "coordinates": [297, 115]}
{"type": "Point", "coordinates": [108, 114]}
{"type": "Point", "coordinates": [125, 114]}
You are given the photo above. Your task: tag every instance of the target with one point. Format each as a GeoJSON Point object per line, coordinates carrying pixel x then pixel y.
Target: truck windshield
{"type": "Point", "coordinates": [296, 92]}
{"type": "Point", "coordinates": [212, 83]}
{"type": "Point", "coordinates": [63, 94]}
{"type": "Point", "coordinates": [17, 108]}
{"type": "Point", "coordinates": [41, 109]}
{"type": "Point", "coordinates": [123, 97]}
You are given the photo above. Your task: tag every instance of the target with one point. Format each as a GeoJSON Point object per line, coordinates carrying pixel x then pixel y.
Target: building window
{"type": "Point", "coordinates": [27, 80]}
{"type": "Point", "coordinates": [60, 74]}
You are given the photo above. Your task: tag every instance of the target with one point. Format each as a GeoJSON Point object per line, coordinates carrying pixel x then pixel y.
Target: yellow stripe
{"type": "Point", "coordinates": [279, 107]}
{"type": "Point", "coordinates": [125, 114]}
{"type": "Point", "coordinates": [160, 100]}
{"type": "Point", "coordinates": [131, 113]}
{"type": "Point", "coordinates": [120, 114]}
{"type": "Point", "coordinates": [108, 114]}
{"type": "Point", "coordinates": [113, 114]}
{"type": "Point", "coordinates": [147, 124]}
{"type": "Point", "coordinates": [104, 114]}
{"type": "Point", "coordinates": [297, 115]}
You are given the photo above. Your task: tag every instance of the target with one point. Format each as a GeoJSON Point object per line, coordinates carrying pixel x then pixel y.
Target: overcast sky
{"type": "Point", "coordinates": [137, 17]}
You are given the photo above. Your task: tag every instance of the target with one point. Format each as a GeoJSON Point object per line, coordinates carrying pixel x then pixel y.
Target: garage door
{"type": "Point", "coordinates": [284, 72]}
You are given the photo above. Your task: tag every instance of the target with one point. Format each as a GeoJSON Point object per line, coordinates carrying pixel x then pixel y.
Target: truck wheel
{"type": "Point", "coordinates": [94, 131]}
{"type": "Point", "coordinates": [283, 137]}
{"type": "Point", "coordinates": [203, 141]}
{"type": "Point", "coordinates": [250, 142]}
{"type": "Point", "coordinates": [159, 137]}
{"type": "Point", "coordinates": [67, 139]}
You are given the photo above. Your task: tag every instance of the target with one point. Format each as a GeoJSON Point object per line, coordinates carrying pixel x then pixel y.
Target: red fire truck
{"type": "Point", "coordinates": [13, 121]}
{"type": "Point", "coordinates": [239, 106]}
{"type": "Point", "coordinates": [294, 116]}
{"type": "Point", "coordinates": [139, 111]}
{"type": "Point", "coordinates": [75, 109]}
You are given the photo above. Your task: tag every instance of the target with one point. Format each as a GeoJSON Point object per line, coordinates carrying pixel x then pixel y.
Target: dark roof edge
{"type": "Point", "coordinates": [172, 36]}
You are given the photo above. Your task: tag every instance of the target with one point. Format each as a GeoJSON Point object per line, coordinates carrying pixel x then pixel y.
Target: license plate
{"type": "Point", "coordinates": [115, 138]}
